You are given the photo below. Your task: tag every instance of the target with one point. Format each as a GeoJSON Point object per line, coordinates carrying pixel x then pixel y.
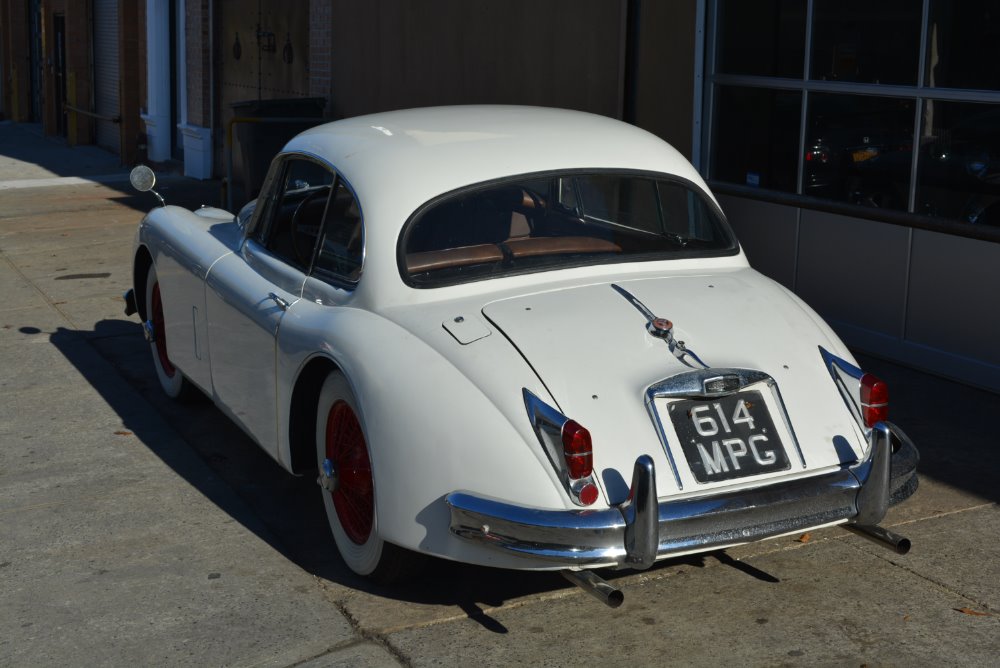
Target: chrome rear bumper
{"type": "Point", "coordinates": [642, 530]}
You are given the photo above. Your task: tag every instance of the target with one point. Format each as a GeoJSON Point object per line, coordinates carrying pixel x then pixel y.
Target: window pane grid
{"type": "Point", "coordinates": [869, 79]}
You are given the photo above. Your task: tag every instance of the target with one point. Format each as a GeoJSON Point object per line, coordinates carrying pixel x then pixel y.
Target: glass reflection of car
{"type": "Point", "coordinates": [865, 167]}
{"type": "Point", "coordinates": [859, 150]}
{"type": "Point", "coordinates": [960, 171]}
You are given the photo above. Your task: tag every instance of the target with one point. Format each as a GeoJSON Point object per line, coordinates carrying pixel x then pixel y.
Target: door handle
{"type": "Point", "coordinates": [282, 304]}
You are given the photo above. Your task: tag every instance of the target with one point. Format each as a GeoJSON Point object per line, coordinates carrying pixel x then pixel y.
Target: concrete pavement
{"type": "Point", "coordinates": [138, 531]}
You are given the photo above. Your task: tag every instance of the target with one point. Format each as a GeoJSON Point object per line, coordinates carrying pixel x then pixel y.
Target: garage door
{"type": "Point", "coordinates": [106, 72]}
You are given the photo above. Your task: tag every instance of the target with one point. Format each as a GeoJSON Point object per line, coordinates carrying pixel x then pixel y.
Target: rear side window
{"type": "Point", "coordinates": [341, 247]}
{"type": "Point", "coordinates": [540, 223]}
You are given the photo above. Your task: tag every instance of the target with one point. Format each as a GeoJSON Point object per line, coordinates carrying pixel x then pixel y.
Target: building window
{"type": "Point", "coordinates": [892, 104]}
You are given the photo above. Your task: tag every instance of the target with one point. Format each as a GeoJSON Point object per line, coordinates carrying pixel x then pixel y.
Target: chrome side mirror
{"type": "Point", "coordinates": [143, 179]}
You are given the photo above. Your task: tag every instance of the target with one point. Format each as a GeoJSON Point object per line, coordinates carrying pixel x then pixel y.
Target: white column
{"type": "Point", "coordinates": [157, 116]}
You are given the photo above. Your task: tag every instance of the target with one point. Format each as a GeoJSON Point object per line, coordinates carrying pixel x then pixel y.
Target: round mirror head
{"type": "Point", "coordinates": [142, 178]}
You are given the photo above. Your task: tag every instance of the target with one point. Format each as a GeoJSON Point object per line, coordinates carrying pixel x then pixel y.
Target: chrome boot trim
{"type": "Point", "coordinates": [149, 331]}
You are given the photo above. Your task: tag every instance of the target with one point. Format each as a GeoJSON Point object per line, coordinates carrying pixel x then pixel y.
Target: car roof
{"type": "Point", "coordinates": [425, 152]}
{"type": "Point", "coordinates": [397, 161]}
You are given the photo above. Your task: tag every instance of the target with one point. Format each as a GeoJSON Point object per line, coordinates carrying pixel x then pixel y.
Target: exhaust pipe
{"type": "Point", "coordinates": [597, 587]}
{"type": "Point", "coordinates": [883, 537]}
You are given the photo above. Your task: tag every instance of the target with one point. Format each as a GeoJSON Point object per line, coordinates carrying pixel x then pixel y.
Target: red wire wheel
{"type": "Point", "coordinates": [161, 333]}
{"type": "Point", "coordinates": [354, 498]}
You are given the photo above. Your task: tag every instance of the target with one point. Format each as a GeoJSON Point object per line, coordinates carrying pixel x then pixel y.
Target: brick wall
{"type": "Point", "coordinates": [199, 63]}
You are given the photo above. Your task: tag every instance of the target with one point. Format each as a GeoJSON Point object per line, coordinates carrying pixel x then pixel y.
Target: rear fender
{"type": "Point", "coordinates": [428, 434]}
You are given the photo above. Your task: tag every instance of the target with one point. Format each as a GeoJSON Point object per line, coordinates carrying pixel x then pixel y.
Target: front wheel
{"type": "Point", "coordinates": [348, 486]}
{"type": "Point", "coordinates": [173, 382]}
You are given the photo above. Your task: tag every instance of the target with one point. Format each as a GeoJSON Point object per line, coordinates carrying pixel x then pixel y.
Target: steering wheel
{"type": "Point", "coordinates": [304, 234]}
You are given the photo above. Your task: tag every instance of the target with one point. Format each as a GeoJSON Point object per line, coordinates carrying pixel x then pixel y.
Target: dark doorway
{"type": "Point", "coordinates": [59, 70]}
{"type": "Point", "coordinates": [35, 56]}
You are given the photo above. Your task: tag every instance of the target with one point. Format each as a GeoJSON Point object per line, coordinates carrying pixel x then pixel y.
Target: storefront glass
{"type": "Point", "coordinates": [756, 136]}
{"type": "Point", "coordinates": [960, 42]}
{"type": "Point", "coordinates": [765, 38]}
{"type": "Point", "coordinates": [959, 175]}
{"type": "Point", "coordinates": [865, 41]}
{"type": "Point", "coordinates": [847, 100]}
{"type": "Point", "coordinates": [859, 149]}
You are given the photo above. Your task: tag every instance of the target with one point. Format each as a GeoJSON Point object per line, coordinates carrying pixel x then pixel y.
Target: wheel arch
{"type": "Point", "coordinates": [302, 413]}
{"type": "Point", "coordinates": [140, 270]}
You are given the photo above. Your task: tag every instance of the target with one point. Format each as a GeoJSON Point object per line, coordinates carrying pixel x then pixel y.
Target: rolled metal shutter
{"type": "Point", "coordinates": [106, 73]}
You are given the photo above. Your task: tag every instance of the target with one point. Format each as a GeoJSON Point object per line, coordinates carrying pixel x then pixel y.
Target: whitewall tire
{"type": "Point", "coordinates": [349, 493]}
{"type": "Point", "coordinates": [171, 379]}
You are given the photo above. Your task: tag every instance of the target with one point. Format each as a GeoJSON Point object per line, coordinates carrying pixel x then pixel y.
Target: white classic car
{"type": "Point", "coordinates": [516, 337]}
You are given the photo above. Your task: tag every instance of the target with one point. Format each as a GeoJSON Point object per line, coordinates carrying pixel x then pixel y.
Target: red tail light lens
{"type": "Point", "coordinates": [874, 400]}
{"type": "Point", "coordinates": [588, 494]}
{"type": "Point", "coordinates": [577, 450]}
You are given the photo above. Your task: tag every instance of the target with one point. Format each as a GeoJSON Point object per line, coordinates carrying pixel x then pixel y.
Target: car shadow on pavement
{"type": "Point", "coordinates": [950, 423]}
{"type": "Point", "coordinates": [210, 453]}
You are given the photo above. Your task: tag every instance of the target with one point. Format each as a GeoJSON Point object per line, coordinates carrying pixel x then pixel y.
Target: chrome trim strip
{"type": "Point", "coordinates": [842, 372]}
{"type": "Point", "coordinates": [677, 348]}
{"type": "Point", "coordinates": [654, 415]}
{"type": "Point", "coordinates": [635, 302]}
{"type": "Point", "coordinates": [691, 384]}
{"type": "Point", "coordinates": [623, 535]}
{"type": "Point", "coordinates": [788, 423]}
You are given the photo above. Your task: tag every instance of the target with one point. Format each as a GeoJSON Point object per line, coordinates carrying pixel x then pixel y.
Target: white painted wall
{"type": "Point", "coordinates": [158, 98]}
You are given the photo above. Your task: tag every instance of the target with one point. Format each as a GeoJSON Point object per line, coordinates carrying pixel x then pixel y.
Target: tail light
{"type": "Point", "coordinates": [578, 454]}
{"type": "Point", "coordinates": [874, 400]}
{"type": "Point", "coordinates": [819, 154]}
{"type": "Point", "coordinates": [577, 450]}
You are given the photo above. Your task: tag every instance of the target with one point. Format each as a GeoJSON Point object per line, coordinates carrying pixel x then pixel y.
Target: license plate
{"type": "Point", "coordinates": [729, 437]}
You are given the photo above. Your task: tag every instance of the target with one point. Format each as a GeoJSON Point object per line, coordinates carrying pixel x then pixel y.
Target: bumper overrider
{"type": "Point", "coordinates": [641, 530]}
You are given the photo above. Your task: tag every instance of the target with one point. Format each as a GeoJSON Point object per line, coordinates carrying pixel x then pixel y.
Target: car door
{"type": "Point", "coordinates": [249, 293]}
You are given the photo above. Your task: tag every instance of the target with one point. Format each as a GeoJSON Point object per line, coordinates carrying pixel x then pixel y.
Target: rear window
{"type": "Point", "coordinates": [539, 223]}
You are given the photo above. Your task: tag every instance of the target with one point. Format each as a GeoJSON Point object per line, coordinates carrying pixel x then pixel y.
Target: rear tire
{"type": "Point", "coordinates": [350, 508]}
{"type": "Point", "coordinates": [173, 382]}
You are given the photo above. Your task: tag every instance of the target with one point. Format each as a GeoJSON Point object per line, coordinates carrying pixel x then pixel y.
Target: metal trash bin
{"type": "Point", "coordinates": [260, 142]}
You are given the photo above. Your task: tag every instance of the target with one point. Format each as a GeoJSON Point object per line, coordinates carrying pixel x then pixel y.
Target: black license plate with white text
{"type": "Point", "coordinates": [728, 437]}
